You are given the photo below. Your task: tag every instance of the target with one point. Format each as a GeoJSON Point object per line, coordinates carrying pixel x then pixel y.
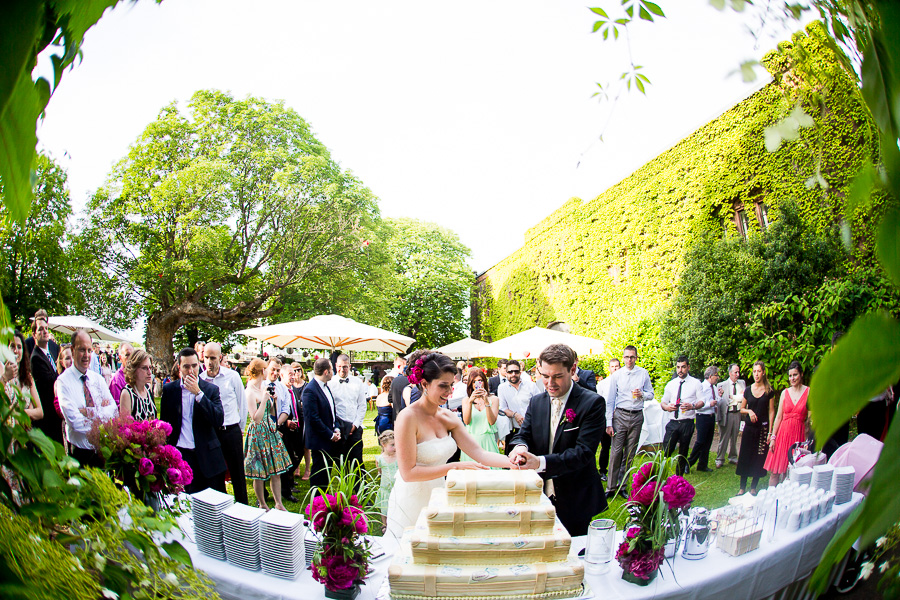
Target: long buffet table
{"type": "Point", "coordinates": [778, 569]}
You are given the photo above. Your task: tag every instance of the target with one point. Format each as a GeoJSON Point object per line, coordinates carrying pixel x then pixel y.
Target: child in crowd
{"type": "Point", "coordinates": [387, 468]}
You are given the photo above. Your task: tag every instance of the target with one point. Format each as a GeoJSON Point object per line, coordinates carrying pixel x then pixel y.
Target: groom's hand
{"type": "Point", "coordinates": [516, 456]}
{"type": "Point", "coordinates": [527, 461]}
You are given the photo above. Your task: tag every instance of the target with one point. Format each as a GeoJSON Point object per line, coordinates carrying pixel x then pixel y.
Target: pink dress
{"type": "Point", "coordinates": [791, 431]}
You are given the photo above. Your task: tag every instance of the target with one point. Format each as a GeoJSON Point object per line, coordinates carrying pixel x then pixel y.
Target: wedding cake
{"type": "Point", "coordinates": [487, 533]}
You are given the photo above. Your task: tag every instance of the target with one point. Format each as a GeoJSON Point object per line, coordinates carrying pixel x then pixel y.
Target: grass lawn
{"type": "Point", "coordinates": [713, 488]}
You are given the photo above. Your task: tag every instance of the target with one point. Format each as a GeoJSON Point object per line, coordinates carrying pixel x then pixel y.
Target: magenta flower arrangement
{"type": "Point", "coordinates": [137, 453]}
{"type": "Point", "coordinates": [339, 518]}
{"type": "Point", "coordinates": [570, 415]}
{"type": "Point", "coordinates": [657, 494]}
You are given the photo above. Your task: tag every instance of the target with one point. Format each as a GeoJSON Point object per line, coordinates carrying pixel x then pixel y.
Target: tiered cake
{"type": "Point", "coordinates": [489, 533]}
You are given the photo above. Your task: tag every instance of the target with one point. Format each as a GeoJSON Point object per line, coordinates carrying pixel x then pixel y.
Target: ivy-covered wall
{"type": "Point", "coordinates": [608, 265]}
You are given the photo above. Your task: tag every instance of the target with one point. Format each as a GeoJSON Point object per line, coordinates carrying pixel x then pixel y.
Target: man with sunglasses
{"type": "Point", "coordinates": [515, 395]}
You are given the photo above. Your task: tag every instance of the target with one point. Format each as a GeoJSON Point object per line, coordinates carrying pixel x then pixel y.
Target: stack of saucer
{"type": "Point", "coordinates": [240, 528]}
{"type": "Point", "coordinates": [207, 507]}
{"type": "Point", "coordinates": [842, 484]}
{"type": "Point", "coordinates": [801, 475]}
{"type": "Point", "coordinates": [821, 478]}
{"type": "Point", "coordinates": [281, 544]}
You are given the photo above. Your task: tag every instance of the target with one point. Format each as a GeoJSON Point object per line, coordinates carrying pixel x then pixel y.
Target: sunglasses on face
{"type": "Point", "coordinates": [513, 372]}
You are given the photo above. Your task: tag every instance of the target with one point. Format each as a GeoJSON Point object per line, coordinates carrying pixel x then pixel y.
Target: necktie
{"type": "Point", "coordinates": [88, 399]}
{"type": "Point", "coordinates": [556, 405]}
{"type": "Point", "coordinates": [678, 400]}
{"type": "Point", "coordinates": [344, 380]}
{"type": "Point", "coordinates": [734, 386]}
{"type": "Point", "coordinates": [712, 392]}
{"type": "Point", "coordinates": [294, 404]}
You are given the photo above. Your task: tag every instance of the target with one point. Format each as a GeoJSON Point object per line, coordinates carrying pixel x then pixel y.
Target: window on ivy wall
{"type": "Point", "coordinates": [742, 222]}
{"type": "Point", "coordinates": [762, 215]}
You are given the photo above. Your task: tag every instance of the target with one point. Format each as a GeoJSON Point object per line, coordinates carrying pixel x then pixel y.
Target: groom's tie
{"type": "Point", "coordinates": [556, 409]}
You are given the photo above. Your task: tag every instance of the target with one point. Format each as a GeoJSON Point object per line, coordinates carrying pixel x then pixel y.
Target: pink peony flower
{"type": "Point", "coordinates": [645, 494]}
{"type": "Point", "coordinates": [167, 429]}
{"type": "Point", "coordinates": [632, 532]}
{"type": "Point", "coordinates": [570, 415]}
{"type": "Point", "coordinates": [335, 573]}
{"type": "Point", "coordinates": [145, 466]}
{"type": "Point", "coordinates": [642, 475]}
{"type": "Point", "coordinates": [677, 492]}
{"type": "Point", "coordinates": [187, 474]}
{"type": "Point", "coordinates": [174, 476]}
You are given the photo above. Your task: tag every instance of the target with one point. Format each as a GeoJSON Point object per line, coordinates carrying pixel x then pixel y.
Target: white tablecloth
{"type": "Point", "coordinates": [775, 570]}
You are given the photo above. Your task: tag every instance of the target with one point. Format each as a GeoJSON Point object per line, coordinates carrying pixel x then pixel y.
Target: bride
{"type": "Point", "coordinates": [426, 436]}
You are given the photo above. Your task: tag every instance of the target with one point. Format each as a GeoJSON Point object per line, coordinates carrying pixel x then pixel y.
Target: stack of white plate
{"type": "Point", "coordinates": [842, 484]}
{"type": "Point", "coordinates": [310, 543]}
{"type": "Point", "coordinates": [240, 529]}
{"type": "Point", "coordinates": [801, 475]}
{"type": "Point", "coordinates": [207, 507]}
{"type": "Point", "coordinates": [281, 544]}
{"type": "Point", "coordinates": [821, 478]}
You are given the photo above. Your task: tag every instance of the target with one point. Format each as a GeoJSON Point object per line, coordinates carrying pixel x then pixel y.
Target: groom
{"type": "Point", "coordinates": [559, 440]}
{"type": "Point", "coordinates": [322, 426]}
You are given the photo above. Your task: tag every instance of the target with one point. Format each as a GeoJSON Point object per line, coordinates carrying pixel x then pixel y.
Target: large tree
{"type": "Point", "coordinates": [35, 271]}
{"type": "Point", "coordinates": [223, 210]}
{"type": "Point", "coordinates": [433, 282]}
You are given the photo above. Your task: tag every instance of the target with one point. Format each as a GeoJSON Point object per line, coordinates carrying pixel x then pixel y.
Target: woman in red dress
{"type": "Point", "coordinates": [790, 424]}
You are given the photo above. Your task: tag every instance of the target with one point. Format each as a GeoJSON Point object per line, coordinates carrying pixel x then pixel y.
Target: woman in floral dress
{"type": "Point", "coordinates": [264, 453]}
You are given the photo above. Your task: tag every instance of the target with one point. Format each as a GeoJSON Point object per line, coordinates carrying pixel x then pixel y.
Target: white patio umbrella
{"type": "Point", "coordinates": [330, 331]}
{"type": "Point", "coordinates": [465, 348]}
{"type": "Point", "coordinates": [97, 331]}
{"type": "Point", "coordinates": [530, 343]}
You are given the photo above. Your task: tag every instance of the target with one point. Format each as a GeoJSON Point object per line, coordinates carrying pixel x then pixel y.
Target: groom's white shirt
{"type": "Point", "coordinates": [562, 411]}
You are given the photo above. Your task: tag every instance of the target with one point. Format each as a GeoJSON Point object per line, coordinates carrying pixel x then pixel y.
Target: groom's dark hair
{"type": "Point", "coordinates": [556, 354]}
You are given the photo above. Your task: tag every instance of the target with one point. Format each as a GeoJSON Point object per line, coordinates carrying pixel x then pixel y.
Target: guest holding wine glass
{"type": "Point", "coordinates": [137, 399]}
{"type": "Point", "coordinates": [758, 411]}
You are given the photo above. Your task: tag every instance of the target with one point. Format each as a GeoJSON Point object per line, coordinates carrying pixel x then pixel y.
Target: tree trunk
{"type": "Point", "coordinates": [161, 328]}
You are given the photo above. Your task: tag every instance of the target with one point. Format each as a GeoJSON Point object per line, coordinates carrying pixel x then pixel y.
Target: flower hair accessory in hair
{"type": "Point", "coordinates": [417, 372]}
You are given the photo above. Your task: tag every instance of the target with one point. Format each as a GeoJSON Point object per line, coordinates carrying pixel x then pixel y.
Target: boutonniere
{"type": "Point", "coordinates": [570, 415]}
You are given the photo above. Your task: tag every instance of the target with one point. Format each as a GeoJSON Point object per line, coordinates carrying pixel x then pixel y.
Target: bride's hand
{"type": "Point", "coordinates": [467, 465]}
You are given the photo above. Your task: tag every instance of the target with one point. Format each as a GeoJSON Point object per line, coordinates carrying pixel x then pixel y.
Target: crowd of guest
{"type": "Point", "coordinates": [283, 425]}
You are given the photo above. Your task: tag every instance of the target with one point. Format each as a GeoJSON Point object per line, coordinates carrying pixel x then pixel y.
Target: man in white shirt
{"type": "Point", "coordinates": [458, 394]}
{"type": "Point", "coordinates": [606, 439]}
{"type": "Point", "coordinates": [82, 389]}
{"type": "Point", "coordinates": [706, 420]}
{"type": "Point", "coordinates": [234, 407]}
{"type": "Point", "coordinates": [95, 358]}
{"type": "Point", "coordinates": [682, 396]}
{"type": "Point", "coordinates": [350, 405]}
{"type": "Point", "coordinates": [629, 389]}
{"type": "Point", "coordinates": [728, 416]}
{"type": "Point", "coordinates": [515, 396]}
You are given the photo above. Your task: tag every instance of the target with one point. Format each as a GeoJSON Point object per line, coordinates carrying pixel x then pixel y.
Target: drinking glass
{"type": "Point", "coordinates": [601, 541]}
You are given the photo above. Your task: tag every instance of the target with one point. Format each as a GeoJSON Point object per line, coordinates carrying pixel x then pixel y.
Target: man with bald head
{"type": "Point", "coordinates": [83, 396]}
{"type": "Point", "coordinates": [234, 407]}
{"type": "Point", "coordinates": [118, 383]}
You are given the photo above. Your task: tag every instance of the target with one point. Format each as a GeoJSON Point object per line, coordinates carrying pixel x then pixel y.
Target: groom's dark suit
{"type": "Point", "coordinates": [319, 423]}
{"type": "Point", "coordinates": [572, 465]}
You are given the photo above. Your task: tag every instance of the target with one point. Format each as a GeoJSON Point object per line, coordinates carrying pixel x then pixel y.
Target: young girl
{"type": "Point", "coordinates": [387, 468]}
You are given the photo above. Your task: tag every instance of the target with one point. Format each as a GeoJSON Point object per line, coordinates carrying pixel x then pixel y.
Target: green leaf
{"type": "Point", "coordinates": [717, 4]}
{"type": "Point", "coordinates": [177, 552]}
{"type": "Point", "coordinates": [44, 444]}
{"type": "Point", "coordinates": [600, 11]}
{"type": "Point", "coordinates": [51, 479]}
{"type": "Point", "coordinates": [654, 8]}
{"type": "Point", "coordinates": [20, 25]}
{"type": "Point", "coordinates": [887, 247]}
{"type": "Point", "coordinates": [876, 89]}
{"type": "Point", "coordinates": [864, 362]}
{"type": "Point", "coordinates": [642, 12]}
{"type": "Point", "coordinates": [597, 25]}
{"type": "Point", "coordinates": [18, 137]}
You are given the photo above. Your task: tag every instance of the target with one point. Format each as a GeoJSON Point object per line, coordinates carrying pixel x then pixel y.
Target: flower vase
{"type": "Point", "coordinates": [348, 594]}
{"type": "Point", "coordinates": [637, 580]}
{"type": "Point", "coordinates": [153, 500]}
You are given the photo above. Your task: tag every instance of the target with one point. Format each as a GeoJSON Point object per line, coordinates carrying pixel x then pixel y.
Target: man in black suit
{"type": "Point", "coordinates": [194, 410]}
{"type": "Point", "coordinates": [43, 371]}
{"type": "Point", "coordinates": [52, 346]}
{"type": "Point", "coordinates": [585, 378]}
{"type": "Point", "coordinates": [321, 425]}
{"type": "Point", "coordinates": [559, 439]}
{"type": "Point", "coordinates": [495, 381]}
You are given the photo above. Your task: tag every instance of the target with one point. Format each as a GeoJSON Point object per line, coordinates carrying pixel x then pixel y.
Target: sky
{"type": "Point", "coordinates": [476, 115]}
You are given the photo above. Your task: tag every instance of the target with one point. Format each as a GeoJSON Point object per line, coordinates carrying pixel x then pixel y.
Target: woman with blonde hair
{"type": "Point", "coordinates": [264, 452]}
{"type": "Point", "coordinates": [137, 399]}
{"type": "Point", "coordinates": [758, 410]}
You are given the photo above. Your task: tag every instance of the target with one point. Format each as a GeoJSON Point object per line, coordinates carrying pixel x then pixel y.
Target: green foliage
{"type": "Point", "coordinates": [605, 265]}
{"type": "Point", "coordinates": [224, 213]}
{"type": "Point", "coordinates": [36, 268]}
{"type": "Point", "coordinates": [725, 279]}
{"type": "Point", "coordinates": [432, 282]}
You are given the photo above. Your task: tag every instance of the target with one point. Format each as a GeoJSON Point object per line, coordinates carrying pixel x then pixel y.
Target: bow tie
{"type": "Point", "coordinates": [344, 380]}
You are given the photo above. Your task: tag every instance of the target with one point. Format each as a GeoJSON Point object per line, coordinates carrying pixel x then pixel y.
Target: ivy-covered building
{"type": "Point", "coordinates": [607, 266]}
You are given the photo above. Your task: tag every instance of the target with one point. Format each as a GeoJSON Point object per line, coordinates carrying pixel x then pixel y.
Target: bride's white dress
{"type": "Point", "coordinates": [409, 498]}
